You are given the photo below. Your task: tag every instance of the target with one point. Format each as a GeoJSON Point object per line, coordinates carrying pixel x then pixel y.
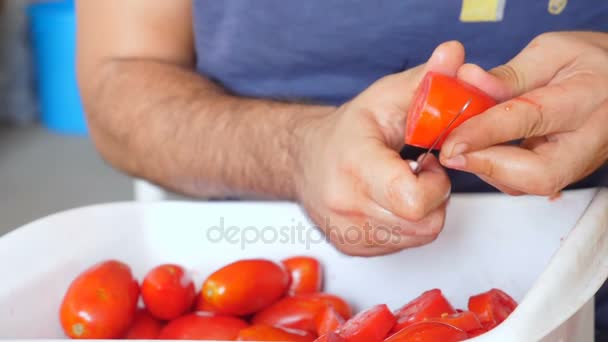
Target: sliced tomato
{"type": "Point", "coordinates": [437, 101]}
{"type": "Point", "coordinates": [267, 333]}
{"type": "Point", "coordinates": [370, 325]}
{"type": "Point", "coordinates": [246, 286]}
{"type": "Point", "coordinates": [465, 320]}
{"type": "Point", "coordinates": [291, 312]}
{"type": "Point", "coordinates": [328, 320]}
{"type": "Point", "coordinates": [428, 332]}
{"type": "Point", "coordinates": [306, 275]}
{"type": "Point", "coordinates": [168, 291]}
{"type": "Point", "coordinates": [330, 337]}
{"type": "Point", "coordinates": [492, 307]}
{"type": "Point", "coordinates": [477, 332]}
{"type": "Point", "coordinates": [203, 326]}
{"type": "Point", "coordinates": [430, 304]}
{"type": "Point", "coordinates": [144, 327]}
{"type": "Point", "coordinates": [339, 303]}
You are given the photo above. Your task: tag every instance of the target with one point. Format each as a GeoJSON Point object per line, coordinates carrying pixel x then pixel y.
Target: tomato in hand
{"type": "Point", "coordinates": [268, 333]}
{"type": "Point", "coordinates": [492, 307]}
{"type": "Point", "coordinates": [371, 325]}
{"type": "Point", "coordinates": [328, 320]}
{"type": "Point", "coordinates": [428, 332]}
{"type": "Point", "coordinates": [101, 302]}
{"type": "Point", "coordinates": [144, 327]}
{"type": "Point", "coordinates": [341, 305]}
{"type": "Point", "coordinates": [168, 291]}
{"type": "Point", "coordinates": [245, 287]}
{"type": "Point", "coordinates": [437, 101]}
{"type": "Point", "coordinates": [203, 326]}
{"type": "Point", "coordinates": [430, 304]}
{"type": "Point", "coordinates": [291, 312]}
{"type": "Point", "coordinates": [465, 320]}
{"type": "Point", "coordinates": [306, 275]}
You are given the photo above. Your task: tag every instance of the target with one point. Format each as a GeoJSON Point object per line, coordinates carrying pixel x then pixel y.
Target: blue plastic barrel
{"type": "Point", "coordinates": [53, 33]}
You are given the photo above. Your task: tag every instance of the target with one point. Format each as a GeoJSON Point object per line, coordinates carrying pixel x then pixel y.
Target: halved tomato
{"type": "Point", "coordinates": [306, 274]}
{"type": "Point", "coordinates": [437, 101]}
{"type": "Point", "coordinates": [428, 332]}
{"type": "Point", "coordinates": [372, 325]}
{"type": "Point", "coordinates": [465, 320]}
{"type": "Point", "coordinates": [430, 304]}
{"type": "Point", "coordinates": [492, 307]}
{"type": "Point", "coordinates": [328, 320]}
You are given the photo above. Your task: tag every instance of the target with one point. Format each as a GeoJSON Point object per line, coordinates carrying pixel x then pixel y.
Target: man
{"type": "Point", "coordinates": [306, 101]}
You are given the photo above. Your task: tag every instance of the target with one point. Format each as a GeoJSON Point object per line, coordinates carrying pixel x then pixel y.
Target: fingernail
{"type": "Point", "coordinates": [460, 148]}
{"type": "Point", "coordinates": [457, 162]}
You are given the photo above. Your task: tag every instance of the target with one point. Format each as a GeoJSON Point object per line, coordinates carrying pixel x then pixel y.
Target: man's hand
{"type": "Point", "coordinates": [556, 93]}
{"type": "Point", "coordinates": [353, 182]}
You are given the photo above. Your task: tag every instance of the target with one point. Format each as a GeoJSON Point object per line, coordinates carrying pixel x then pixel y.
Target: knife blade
{"type": "Point", "coordinates": [418, 166]}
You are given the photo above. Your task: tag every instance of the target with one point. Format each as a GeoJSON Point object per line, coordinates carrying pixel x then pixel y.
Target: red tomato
{"type": "Point", "coordinates": [245, 286]}
{"type": "Point", "coordinates": [368, 326]}
{"type": "Point", "coordinates": [203, 326]}
{"type": "Point", "coordinates": [428, 332]}
{"type": "Point", "coordinates": [306, 275]}
{"type": "Point", "coordinates": [144, 327]}
{"type": "Point", "coordinates": [430, 304]}
{"type": "Point", "coordinates": [291, 312]}
{"type": "Point", "coordinates": [492, 307]}
{"type": "Point", "coordinates": [202, 305]}
{"type": "Point", "coordinates": [477, 332]}
{"type": "Point", "coordinates": [465, 320]}
{"type": "Point", "coordinates": [330, 337]}
{"type": "Point", "coordinates": [168, 291]}
{"type": "Point", "coordinates": [101, 302]}
{"type": "Point", "coordinates": [268, 333]}
{"type": "Point", "coordinates": [328, 320]}
{"type": "Point", "coordinates": [437, 101]}
{"type": "Point", "coordinates": [341, 306]}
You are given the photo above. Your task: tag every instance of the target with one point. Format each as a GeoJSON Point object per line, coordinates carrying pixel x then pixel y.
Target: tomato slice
{"type": "Point", "coordinates": [492, 307]}
{"type": "Point", "coordinates": [168, 291]}
{"type": "Point", "coordinates": [328, 320]}
{"type": "Point", "coordinates": [306, 275]}
{"type": "Point", "coordinates": [368, 326]}
{"type": "Point", "coordinates": [203, 326]}
{"type": "Point", "coordinates": [268, 333]}
{"type": "Point", "coordinates": [144, 327]}
{"type": "Point", "coordinates": [430, 304]}
{"type": "Point", "coordinates": [437, 100]}
{"type": "Point", "coordinates": [465, 320]}
{"type": "Point", "coordinates": [429, 332]}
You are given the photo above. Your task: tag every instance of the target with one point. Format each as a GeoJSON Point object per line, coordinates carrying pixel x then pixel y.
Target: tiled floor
{"type": "Point", "coordinates": [42, 173]}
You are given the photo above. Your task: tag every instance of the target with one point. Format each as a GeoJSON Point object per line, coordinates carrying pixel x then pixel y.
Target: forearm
{"type": "Point", "coordinates": [175, 128]}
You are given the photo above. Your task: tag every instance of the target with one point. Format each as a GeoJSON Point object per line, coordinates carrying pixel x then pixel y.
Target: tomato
{"type": "Point", "coordinates": [144, 327]}
{"type": "Point", "coordinates": [168, 291]}
{"type": "Point", "coordinates": [429, 332]}
{"type": "Point", "coordinates": [245, 286]}
{"type": "Point", "coordinates": [330, 337]}
{"type": "Point", "coordinates": [368, 326]}
{"type": "Point", "coordinates": [268, 333]}
{"type": "Point", "coordinates": [465, 320]}
{"type": "Point", "coordinates": [328, 320]}
{"type": "Point", "coordinates": [203, 326]}
{"type": "Point", "coordinates": [341, 305]}
{"type": "Point", "coordinates": [437, 101]}
{"type": "Point", "coordinates": [306, 275]}
{"type": "Point", "coordinates": [430, 304]}
{"type": "Point", "coordinates": [477, 332]}
{"type": "Point", "coordinates": [202, 305]}
{"type": "Point", "coordinates": [291, 312]}
{"type": "Point", "coordinates": [492, 307]}
{"type": "Point", "coordinates": [101, 302]}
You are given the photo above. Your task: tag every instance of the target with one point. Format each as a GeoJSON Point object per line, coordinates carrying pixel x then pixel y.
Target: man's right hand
{"type": "Point", "coordinates": [351, 179]}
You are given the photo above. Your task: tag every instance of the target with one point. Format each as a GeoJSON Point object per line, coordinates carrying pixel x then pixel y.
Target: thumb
{"type": "Point", "coordinates": [397, 90]}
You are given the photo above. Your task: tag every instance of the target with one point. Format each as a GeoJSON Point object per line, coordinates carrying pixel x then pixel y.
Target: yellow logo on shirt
{"type": "Point", "coordinates": [474, 11]}
{"type": "Point", "coordinates": [557, 6]}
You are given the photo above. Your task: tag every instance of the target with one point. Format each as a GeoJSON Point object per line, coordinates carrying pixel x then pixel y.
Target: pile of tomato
{"type": "Point", "coordinates": [258, 300]}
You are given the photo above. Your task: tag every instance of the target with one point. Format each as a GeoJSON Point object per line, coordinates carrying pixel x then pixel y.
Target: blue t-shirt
{"type": "Point", "coordinates": [328, 51]}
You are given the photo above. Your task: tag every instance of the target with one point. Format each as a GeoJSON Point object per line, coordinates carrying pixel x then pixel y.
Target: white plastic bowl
{"type": "Point", "coordinates": [550, 256]}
